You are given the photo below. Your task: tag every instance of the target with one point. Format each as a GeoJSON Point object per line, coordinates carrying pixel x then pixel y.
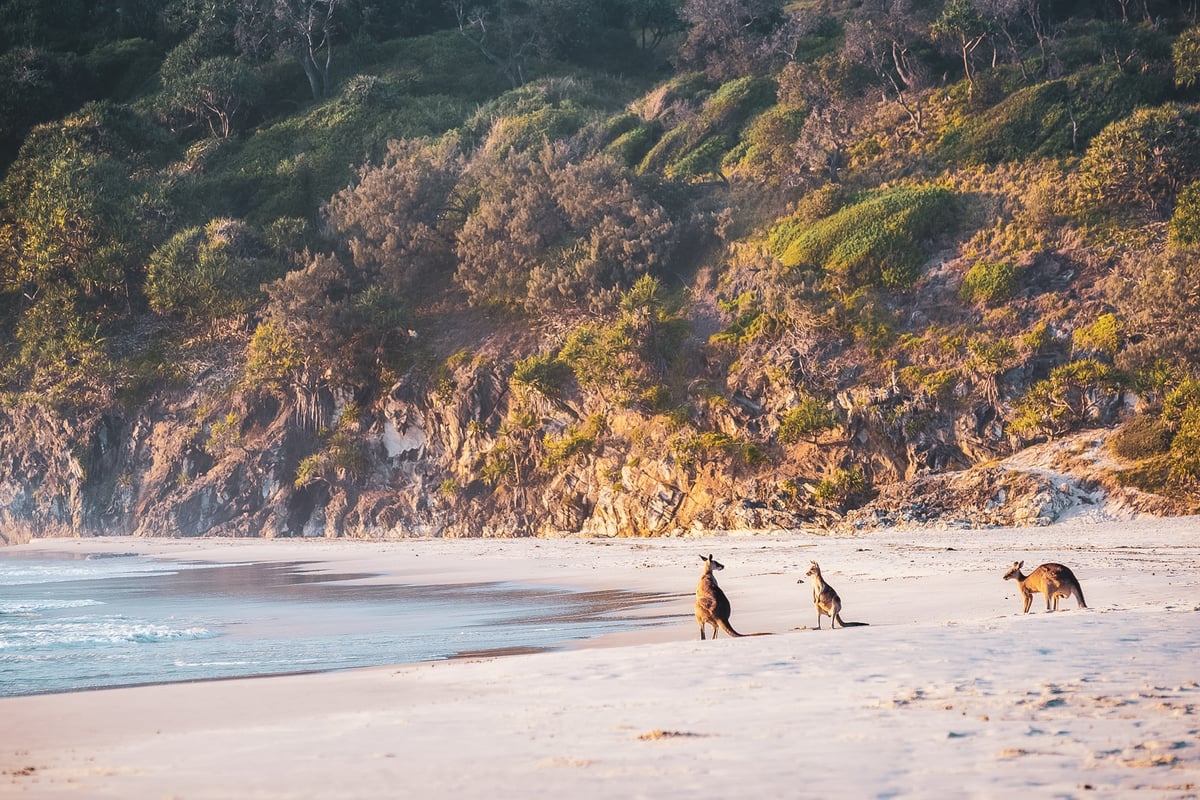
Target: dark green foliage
{"type": "Point", "coordinates": [697, 147]}
{"type": "Point", "coordinates": [123, 69]}
{"type": "Point", "coordinates": [1142, 437]}
{"type": "Point", "coordinates": [1185, 221]}
{"type": "Point", "coordinates": [1143, 160]}
{"type": "Point", "coordinates": [989, 282]}
{"type": "Point", "coordinates": [807, 420]}
{"type": "Point", "coordinates": [1051, 119]}
{"type": "Point", "coordinates": [210, 272]}
{"type": "Point", "coordinates": [35, 86]}
{"type": "Point", "coordinates": [877, 241]}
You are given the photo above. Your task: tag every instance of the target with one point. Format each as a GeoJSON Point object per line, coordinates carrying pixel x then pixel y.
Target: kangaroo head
{"type": "Point", "coordinates": [1014, 571]}
{"type": "Point", "coordinates": [813, 570]}
{"type": "Point", "coordinates": [713, 565]}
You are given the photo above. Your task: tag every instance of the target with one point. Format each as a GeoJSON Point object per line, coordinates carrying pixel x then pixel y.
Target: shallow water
{"type": "Point", "coordinates": [69, 623]}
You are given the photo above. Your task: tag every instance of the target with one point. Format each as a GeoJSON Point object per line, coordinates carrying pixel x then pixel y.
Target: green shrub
{"type": "Point", "coordinates": [273, 357]}
{"type": "Point", "coordinates": [1141, 161]}
{"type": "Point", "coordinates": [1072, 396]}
{"type": "Point", "coordinates": [876, 241]}
{"type": "Point", "coordinates": [701, 161]}
{"type": "Point", "coordinates": [631, 147]}
{"type": "Point", "coordinates": [1185, 448]}
{"type": "Point", "coordinates": [842, 489]}
{"type": "Point", "coordinates": [808, 419]}
{"type": "Point", "coordinates": [1102, 336]}
{"type": "Point", "coordinates": [213, 271]}
{"type": "Point", "coordinates": [544, 374]}
{"type": "Point", "coordinates": [699, 145]}
{"type": "Point", "coordinates": [575, 440]}
{"type": "Point", "coordinates": [1185, 56]}
{"type": "Point", "coordinates": [1141, 437]}
{"type": "Point", "coordinates": [1185, 221]}
{"type": "Point", "coordinates": [989, 283]}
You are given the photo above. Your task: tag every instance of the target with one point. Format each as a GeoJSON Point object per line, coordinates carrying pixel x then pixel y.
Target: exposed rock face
{"type": "Point", "coordinates": [470, 457]}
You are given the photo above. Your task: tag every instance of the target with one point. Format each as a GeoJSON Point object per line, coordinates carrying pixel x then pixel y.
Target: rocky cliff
{"type": "Point", "coordinates": [473, 453]}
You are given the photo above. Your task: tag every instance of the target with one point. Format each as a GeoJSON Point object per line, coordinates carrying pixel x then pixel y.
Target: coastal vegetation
{"type": "Point", "coordinates": [631, 266]}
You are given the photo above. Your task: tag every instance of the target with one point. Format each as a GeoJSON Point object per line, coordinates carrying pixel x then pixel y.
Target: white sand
{"type": "Point", "coordinates": [951, 691]}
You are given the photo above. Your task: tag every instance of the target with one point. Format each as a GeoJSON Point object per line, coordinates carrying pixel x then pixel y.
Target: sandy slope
{"type": "Point", "coordinates": [950, 692]}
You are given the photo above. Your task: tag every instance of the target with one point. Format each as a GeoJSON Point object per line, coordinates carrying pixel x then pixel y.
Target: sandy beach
{"type": "Point", "coordinates": [949, 692]}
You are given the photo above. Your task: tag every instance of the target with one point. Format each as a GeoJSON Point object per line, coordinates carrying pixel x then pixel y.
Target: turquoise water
{"type": "Point", "coordinates": [70, 623]}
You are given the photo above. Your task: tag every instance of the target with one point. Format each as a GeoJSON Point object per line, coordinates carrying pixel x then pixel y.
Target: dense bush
{"type": "Point", "coordinates": [1142, 437]}
{"type": "Point", "coordinates": [877, 241]}
{"type": "Point", "coordinates": [1143, 160]}
{"type": "Point", "coordinates": [1075, 394]}
{"type": "Point", "coordinates": [212, 271]}
{"type": "Point", "coordinates": [808, 419]}
{"type": "Point", "coordinates": [625, 359]}
{"type": "Point", "coordinates": [551, 233]}
{"type": "Point", "coordinates": [400, 220]}
{"type": "Point", "coordinates": [989, 283]}
{"type": "Point", "coordinates": [1155, 295]}
{"type": "Point", "coordinates": [1103, 336]}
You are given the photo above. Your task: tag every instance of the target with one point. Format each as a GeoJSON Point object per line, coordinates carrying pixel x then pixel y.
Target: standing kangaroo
{"type": "Point", "coordinates": [1052, 580]}
{"type": "Point", "coordinates": [826, 600]}
{"type": "Point", "coordinates": [712, 606]}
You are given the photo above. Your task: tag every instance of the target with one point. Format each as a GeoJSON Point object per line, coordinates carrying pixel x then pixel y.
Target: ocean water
{"type": "Point", "coordinates": [71, 623]}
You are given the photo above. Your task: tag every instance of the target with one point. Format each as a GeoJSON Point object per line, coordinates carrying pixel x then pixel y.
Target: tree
{"type": "Point", "coordinates": [886, 42]}
{"type": "Point", "coordinates": [506, 34]}
{"type": "Point", "coordinates": [832, 90]}
{"type": "Point", "coordinates": [75, 230]}
{"type": "Point", "coordinates": [961, 24]}
{"type": "Point", "coordinates": [220, 92]}
{"type": "Point", "coordinates": [324, 325]}
{"type": "Point", "coordinates": [729, 38]}
{"type": "Point", "coordinates": [1142, 160]}
{"type": "Point", "coordinates": [553, 232]}
{"type": "Point", "coordinates": [652, 20]}
{"type": "Point", "coordinates": [303, 30]}
{"type": "Point", "coordinates": [807, 420]}
{"type": "Point", "coordinates": [400, 220]}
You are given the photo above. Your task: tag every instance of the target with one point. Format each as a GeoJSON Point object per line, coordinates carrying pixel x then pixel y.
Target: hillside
{"type": "Point", "coordinates": [633, 267]}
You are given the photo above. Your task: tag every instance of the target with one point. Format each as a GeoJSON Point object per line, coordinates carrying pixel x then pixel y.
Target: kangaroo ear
{"type": "Point", "coordinates": [1020, 564]}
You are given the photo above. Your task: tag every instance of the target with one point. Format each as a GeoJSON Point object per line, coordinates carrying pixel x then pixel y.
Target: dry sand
{"type": "Point", "coordinates": [950, 691]}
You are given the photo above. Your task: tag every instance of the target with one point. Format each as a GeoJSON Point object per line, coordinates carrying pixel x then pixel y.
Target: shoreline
{"type": "Point", "coordinates": [950, 691]}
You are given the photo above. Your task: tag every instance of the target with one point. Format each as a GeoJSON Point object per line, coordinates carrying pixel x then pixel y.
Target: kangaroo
{"type": "Point", "coordinates": [712, 606]}
{"type": "Point", "coordinates": [1052, 580]}
{"type": "Point", "coordinates": [826, 600]}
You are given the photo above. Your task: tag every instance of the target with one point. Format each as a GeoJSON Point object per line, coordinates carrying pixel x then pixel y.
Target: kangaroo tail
{"type": "Point", "coordinates": [1079, 596]}
{"type": "Point", "coordinates": [855, 624]}
{"type": "Point", "coordinates": [725, 626]}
